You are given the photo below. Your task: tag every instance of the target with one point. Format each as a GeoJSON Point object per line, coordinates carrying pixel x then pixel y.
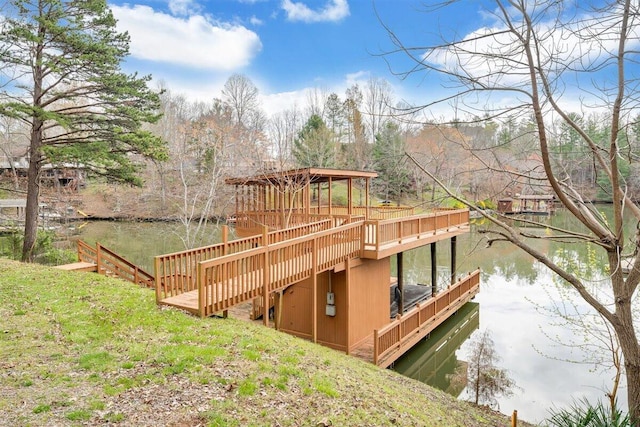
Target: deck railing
{"type": "Point", "coordinates": [232, 279]}
{"type": "Point", "coordinates": [233, 271]}
{"type": "Point", "coordinates": [277, 220]}
{"type": "Point", "coordinates": [395, 230]}
{"type": "Point", "coordinates": [176, 272]}
{"type": "Point", "coordinates": [110, 263]}
{"type": "Point", "coordinates": [407, 328]}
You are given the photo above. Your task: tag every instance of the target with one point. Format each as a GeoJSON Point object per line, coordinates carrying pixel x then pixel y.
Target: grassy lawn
{"type": "Point", "coordinates": [84, 349]}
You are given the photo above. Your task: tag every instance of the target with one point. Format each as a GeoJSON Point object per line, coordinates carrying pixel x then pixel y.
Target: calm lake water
{"type": "Point", "coordinates": [515, 291]}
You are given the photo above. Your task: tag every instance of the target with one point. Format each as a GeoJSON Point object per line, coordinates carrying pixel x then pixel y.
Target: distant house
{"type": "Point", "coordinates": [66, 176]}
{"type": "Point", "coordinates": [541, 204]}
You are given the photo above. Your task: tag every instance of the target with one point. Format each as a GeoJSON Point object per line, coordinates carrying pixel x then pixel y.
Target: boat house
{"type": "Point", "coordinates": [316, 253]}
{"type": "Point", "coordinates": [540, 204]}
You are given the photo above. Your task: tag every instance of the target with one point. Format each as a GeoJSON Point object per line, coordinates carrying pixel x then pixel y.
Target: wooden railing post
{"type": "Point", "coordinates": [156, 267]}
{"type": "Point", "coordinates": [225, 248]}
{"type": "Point", "coordinates": [225, 239]}
{"type": "Point", "coordinates": [376, 347]}
{"type": "Point", "coordinates": [98, 260]}
{"type": "Point", "coordinates": [265, 278]}
{"type": "Point", "coordinates": [200, 280]}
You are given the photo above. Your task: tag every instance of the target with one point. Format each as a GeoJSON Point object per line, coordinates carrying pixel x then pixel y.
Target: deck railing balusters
{"type": "Point", "coordinates": [403, 329]}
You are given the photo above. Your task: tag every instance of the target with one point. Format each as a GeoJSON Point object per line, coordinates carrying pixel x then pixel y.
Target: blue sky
{"type": "Point", "coordinates": [286, 47]}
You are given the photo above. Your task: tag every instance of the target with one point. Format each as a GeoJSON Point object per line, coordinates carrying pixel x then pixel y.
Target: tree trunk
{"type": "Point", "coordinates": [33, 192]}
{"type": "Point", "coordinates": [631, 354]}
{"type": "Point", "coordinates": [633, 390]}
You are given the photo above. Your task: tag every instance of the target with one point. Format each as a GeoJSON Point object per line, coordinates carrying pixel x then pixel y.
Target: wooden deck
{"type": "Point", "coordinates": [255, 268]}
{"type": "Point", "coordinates": [218, 283]}
{"type": "Point", "coordinates": [79, 266]}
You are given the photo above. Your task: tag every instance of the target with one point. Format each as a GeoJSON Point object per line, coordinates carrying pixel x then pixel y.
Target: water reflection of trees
{"type": "Point", "coordinates": [505, 260]}
{"type": "Point", "coordinates": [433, 361]}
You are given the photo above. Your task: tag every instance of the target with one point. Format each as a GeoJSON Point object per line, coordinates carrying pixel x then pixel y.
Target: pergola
{"type": "Point", "coordinates": [304, 193]}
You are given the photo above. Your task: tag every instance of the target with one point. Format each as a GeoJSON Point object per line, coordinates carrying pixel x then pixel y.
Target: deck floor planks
{"type": "Point", "coordinates": [78, 266]}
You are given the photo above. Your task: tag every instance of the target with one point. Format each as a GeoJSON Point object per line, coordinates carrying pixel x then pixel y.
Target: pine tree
{"type": "Point", "coordinates": [390, 162]}
{"type": "Point", "coordinates": [314, 146]}
{"type": "Point", "coordinates": [61, 76]}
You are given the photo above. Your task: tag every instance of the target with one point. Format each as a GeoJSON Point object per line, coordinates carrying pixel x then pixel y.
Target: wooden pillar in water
{"type": "Point", "coordinates": [434, 270]}
{"type": "Point", "coordinates": [399, 263]}
{"type": "Point", "coordinates": [453, 259]}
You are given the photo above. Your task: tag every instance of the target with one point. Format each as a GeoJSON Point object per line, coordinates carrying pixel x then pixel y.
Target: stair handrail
{"type": "Point", "coordinates": [105, 259]}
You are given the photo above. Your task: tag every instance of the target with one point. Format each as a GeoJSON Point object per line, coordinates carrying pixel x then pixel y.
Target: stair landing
{"type": "Point", "coordinates": [78, 266]}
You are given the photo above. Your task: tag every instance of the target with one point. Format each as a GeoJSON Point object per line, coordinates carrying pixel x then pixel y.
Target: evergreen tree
{"type": "Point", "coordinates": [62, 78]}
{"type": "Point", "coordinates": [390, 163]}
{"type": "Point", "coordinates": [314, 145]}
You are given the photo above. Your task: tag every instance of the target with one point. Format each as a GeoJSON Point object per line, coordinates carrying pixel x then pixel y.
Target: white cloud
{"type": "Point", "coordinates": [183, 7]}
{"type": "Point", "coordinates": [255, 21]}
{"type": "Point", "coordinates": [359, 78]}
{"type": "Point", "coordinates": [334, 10]}
{"type": "Point", "coordinates": [195, 41]}
{"type": "Point", "coordinates": [194, 90]}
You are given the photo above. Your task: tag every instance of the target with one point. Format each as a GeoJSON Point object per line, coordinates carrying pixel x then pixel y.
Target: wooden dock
{"type": "Point", "coordinates": [323, 267]}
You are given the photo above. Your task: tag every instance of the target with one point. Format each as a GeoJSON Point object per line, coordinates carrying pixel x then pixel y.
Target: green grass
{"type": "Point", "coordinates": [80, 348]}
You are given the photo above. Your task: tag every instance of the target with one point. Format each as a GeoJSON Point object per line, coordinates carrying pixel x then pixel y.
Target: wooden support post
{"type": "Point", "coordinates": [350, 196]}
{"type": "Point", "coordinates": [307, 199]}
{"type": "Point", "coordinates": [330, 197]}
{"type": "Point", "coordinates": [453, 259]}
{"type": "Point", "coordinates": [434, 270]}
{"type": "Point", "coordinates": [348, 308]}
{"type": "Point", "coordinates": [514, 419]}
{"type": "Point", "coordinates": [314, 278]}
{"type": "Point", "coordinates": [400, 267]}
{"type": "Point", "coordinates": [366, 199]}
{"type": "Point", "coordinates": [276, 307]}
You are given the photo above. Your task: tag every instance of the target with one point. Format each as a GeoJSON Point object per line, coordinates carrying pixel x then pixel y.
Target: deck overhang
{"type": "Point", "coordinates": [412, 242]}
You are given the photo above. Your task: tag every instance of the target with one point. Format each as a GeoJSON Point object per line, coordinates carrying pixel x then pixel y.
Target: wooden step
{"type": "Point", "coordinates": [78, 266]}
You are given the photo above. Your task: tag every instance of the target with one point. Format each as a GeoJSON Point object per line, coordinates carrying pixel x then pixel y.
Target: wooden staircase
{"type": "Point", "coordinates": [104, 261]}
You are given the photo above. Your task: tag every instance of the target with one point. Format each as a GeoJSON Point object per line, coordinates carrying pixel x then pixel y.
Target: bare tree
{"type": "Point", "coordinates": [486, 381]}
{"type": "Point", "coordinates": [316, 102]}
{"type": "Point", "coordinates": [378, 99]}
{"type": "Point", "coordinates": [526, 63]}
{"type": "Point", "coordinates": [202, 164]}
{"type": "Point", "coordinates": [283, 130]}
{"type": "Point", "coordinates": [241, 95]}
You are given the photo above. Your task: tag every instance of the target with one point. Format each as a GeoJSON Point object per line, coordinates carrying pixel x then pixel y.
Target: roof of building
{"type": "Point", "coordinates": [313, 175]}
